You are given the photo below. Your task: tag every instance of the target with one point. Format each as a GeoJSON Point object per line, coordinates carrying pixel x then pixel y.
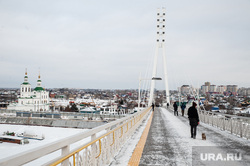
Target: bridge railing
{"type": "Point", "coordinates": [236, 125]}
{"type": "Point", "coordinates": [106, 141]}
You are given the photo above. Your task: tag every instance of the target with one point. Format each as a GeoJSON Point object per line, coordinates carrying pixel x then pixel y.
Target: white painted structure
{"type": "Point", "coordinates": [36, 100]}
{"type": "Point", "coordinates": [106, 142]}
{"type": "Point", "coordinates": [160, 47]}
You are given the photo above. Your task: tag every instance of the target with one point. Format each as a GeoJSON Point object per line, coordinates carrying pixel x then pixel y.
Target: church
{"type": "Point", "coordinates": [31, 100]}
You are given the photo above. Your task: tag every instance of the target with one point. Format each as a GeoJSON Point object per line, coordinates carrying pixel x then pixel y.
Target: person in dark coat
{"type": "Point", "coordinates": [183, 106]}
{"type": "Point", "coordinates": [153, 106]}
{"type": "Point", "coordinates": [175, 109]}
{"type": "Point", "coordinates": [193, 119]}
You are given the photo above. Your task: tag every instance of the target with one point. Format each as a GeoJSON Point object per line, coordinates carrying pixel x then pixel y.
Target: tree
{"type": "Point", "coordinates": [74, 108]}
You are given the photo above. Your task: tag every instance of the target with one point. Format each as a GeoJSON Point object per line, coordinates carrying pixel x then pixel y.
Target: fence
{"type": "Point", "coordinates": [237, 125]}
{"type": "Point", "coordinates": [99, 151]}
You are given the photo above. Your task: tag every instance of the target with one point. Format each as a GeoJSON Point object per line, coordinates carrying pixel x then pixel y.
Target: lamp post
{"type": "Point", "coordinates": [156, 78]}
{"type": "Point", "coordinates": [139, 91]}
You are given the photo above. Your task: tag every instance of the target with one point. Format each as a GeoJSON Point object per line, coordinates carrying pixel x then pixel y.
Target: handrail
{"type": "Point", "coordinates": [41, 151]}
{"type": "Point", "coordinates": [100, 147]}
{"type": "Point", "coordinates": [127, 128]}
{"type": "Point", "coordinates": [84, 147]}
{"type": "Point", "coordinates": [113, 138]}
{"type": "Point", "coordinates": [121, 132]}
{"type": "Point", "coordinates": [233, 124]}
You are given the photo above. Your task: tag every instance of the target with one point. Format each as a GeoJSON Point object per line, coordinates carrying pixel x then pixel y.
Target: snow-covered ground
{"type": "Point", "coordinates": [123, 157]}
{"type": "Point", "coordinates": [51, 134]}
{"type": "Point", "coordinates": [169, 142]}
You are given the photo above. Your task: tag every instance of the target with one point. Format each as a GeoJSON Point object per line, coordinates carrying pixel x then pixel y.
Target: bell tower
{"type": "Point", "coordinates": [25, 89]}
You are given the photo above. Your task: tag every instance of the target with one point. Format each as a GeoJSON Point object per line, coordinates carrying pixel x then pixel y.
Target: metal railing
{"type": "Point", "coordinates": [99, 151]}
{"type": "Point", "coordinates": [237, 125]}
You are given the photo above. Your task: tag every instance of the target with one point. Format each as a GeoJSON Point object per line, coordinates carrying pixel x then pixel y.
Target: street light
{"type": "Point", "coordinates": [139, 95]}
{"type": "Point", "coordinates": [156, 78]}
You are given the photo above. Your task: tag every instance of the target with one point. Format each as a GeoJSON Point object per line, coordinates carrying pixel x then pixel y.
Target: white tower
{"type": "Point", "coordinates": [160, 47]}
{"type": "Point", "coordinates": [39, 84]}
{"type": "Point", "coordinates": [25, 89]}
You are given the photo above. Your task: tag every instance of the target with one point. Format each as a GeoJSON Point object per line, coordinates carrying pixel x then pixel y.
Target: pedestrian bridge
{"type": "Point", "coordinates": [146, 138]}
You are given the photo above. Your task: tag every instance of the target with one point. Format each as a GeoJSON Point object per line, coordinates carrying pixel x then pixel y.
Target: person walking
{"type": "Point", "coordinates": [193, 119]}
{"type": "Point", "coordinates": [153, 106]}
{"type": "Point", "coordinates": [183, 106]}
{"type": "Point", "coordinates": [175, 109]}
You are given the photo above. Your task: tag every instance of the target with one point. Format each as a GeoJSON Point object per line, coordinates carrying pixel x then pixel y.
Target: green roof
{"type": "Point", "coordinates": [26, 77]}
{"type": "Point", "coordinates": [38, 89]}
{"type": "Point", "coordinates": [25, 83]}
{"type": "Point", "coordinates": [39, 81]}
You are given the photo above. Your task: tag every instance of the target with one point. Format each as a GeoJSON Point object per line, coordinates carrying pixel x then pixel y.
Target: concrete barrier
{"type": "Point", "coordinates": [83, 124]}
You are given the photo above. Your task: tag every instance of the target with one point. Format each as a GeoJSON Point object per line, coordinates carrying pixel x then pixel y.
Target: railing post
{"type": "Point", "coordinates": [212, 119]}
{"type": "Point", "coordinates": [223, 124]}
{"type": "Point", "coordinates": [93, 149]}
{"type": "Point", "coordinates": [204, 117]}
{"type": "Point", "coordinates": [65, 151]}
{"type": "Point", "coordinates": [231, 125]}
{"type": "Point", "coordinates": [241, 128]}
{"type": "Point", "coordinates": [107, 149]}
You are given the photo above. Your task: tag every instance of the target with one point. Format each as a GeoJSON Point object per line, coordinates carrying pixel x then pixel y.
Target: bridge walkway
{"type": "Point", "coordinates": [169, 142]}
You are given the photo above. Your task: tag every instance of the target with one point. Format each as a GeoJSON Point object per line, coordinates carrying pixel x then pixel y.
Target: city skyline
{"type": "Point", "coordinates": [106, 45]}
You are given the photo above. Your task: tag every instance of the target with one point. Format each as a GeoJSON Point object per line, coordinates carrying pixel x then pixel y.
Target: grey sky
{"type": "Point", "coordinates": [106, 44]}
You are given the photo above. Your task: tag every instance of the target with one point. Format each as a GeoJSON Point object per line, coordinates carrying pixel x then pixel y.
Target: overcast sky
{"type": "Point", "coordinates": [107, 44]}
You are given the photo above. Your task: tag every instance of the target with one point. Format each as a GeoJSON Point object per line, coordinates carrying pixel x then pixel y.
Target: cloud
{"type": "Point", "coordinates": [107, 44]}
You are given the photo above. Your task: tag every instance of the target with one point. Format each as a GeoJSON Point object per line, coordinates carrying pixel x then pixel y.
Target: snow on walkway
{"type": "Point", "coordinates": [169, 141]}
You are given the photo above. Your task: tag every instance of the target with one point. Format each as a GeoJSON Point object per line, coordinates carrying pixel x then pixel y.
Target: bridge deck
{"type": "Point", "coordinates": [169, 141]}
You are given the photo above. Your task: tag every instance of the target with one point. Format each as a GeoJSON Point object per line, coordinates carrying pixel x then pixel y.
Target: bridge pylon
{"type": "Point", "coordinates": [160, 49]}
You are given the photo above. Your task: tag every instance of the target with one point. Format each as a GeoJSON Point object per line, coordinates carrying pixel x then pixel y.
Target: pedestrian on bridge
{"type": "Point", "coordinates": [175, 109]}
{"type": "Point", "coordinates": [193, 119]}
{"type": "Point", "coordinates": [183, 106]}
{"type": "Point", "coordinates": [153, 106]}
